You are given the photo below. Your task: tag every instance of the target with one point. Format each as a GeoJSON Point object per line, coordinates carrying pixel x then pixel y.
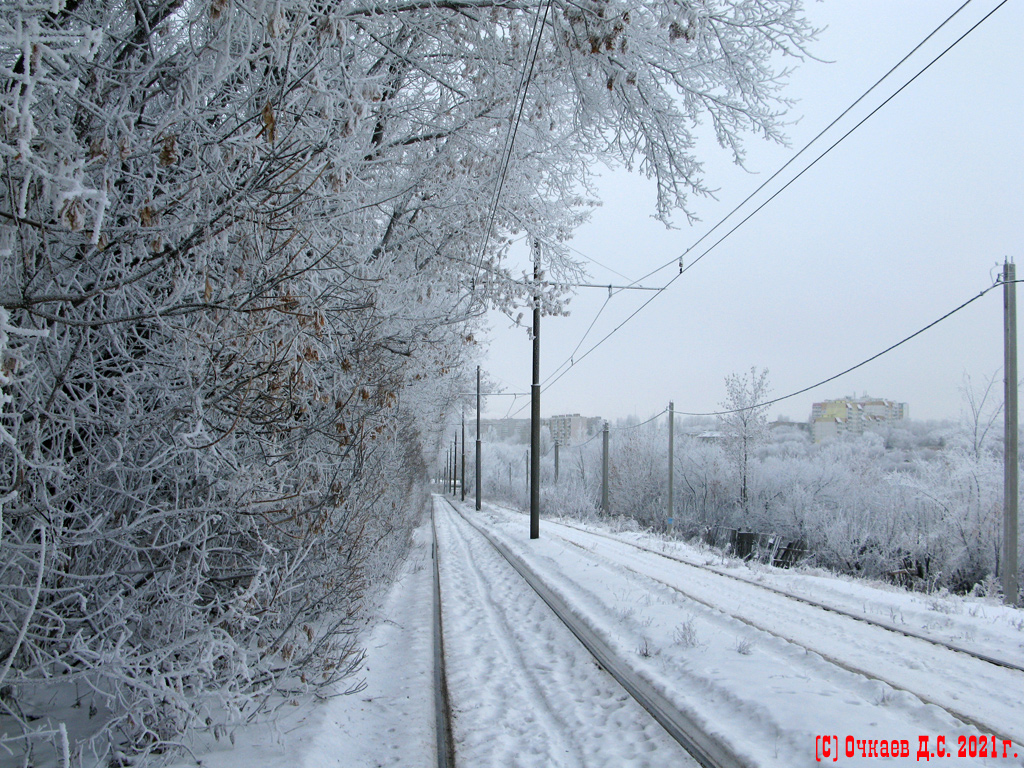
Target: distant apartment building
{"type": "Point", "coordinates": [568, 429]}
{"type": "Point", "coordinates": [853, 415]}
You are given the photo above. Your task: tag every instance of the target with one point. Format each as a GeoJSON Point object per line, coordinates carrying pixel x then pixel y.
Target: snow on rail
{"type": "Point", "coordinates": [523, 690]}
{"type": "Point", "coordinates": [442, 709]}
{"type": "Point", "coordinates": [758, 670]}
{"type": "Point", "coordinates": [709, 752]}
{"type": "Point", "coordinates": [1001, 731]}
{"type": "Point", "coordinates": [906, 631]}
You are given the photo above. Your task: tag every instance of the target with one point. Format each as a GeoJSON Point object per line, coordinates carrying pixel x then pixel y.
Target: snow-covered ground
{"type": "Point", "coordinates": [390, 722]}
{"type": "Point", "coordinates": [770, 697]}
{"type": "Point", "coordinates": [772, 678]}
{"type": "Point", "coordinates": [524, 692]}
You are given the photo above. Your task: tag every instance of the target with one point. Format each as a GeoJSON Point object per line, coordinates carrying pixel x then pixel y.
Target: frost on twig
{"type": "Point", "coordinates": [245, 251]}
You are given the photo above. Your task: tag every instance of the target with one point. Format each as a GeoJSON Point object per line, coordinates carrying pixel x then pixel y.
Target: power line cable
{"type": "Point", "coordinates": [570, 360]}
{"type": "Point", "coordinates": [834, 144]}
{"type": "Point", "coordinates": [590, 258]}
{"type": "Point", "coordinates": [506, 147]}
{"type": "Point", "coordinates": [573, 363]}
{"type": "Point", "coordinates": [580, 343]}
{"type": "Point", "coordinates": [779, 191]}
{"type": "Point", "coordinates": [617, 429]}
{"type": "Point", "coordinates": [823, 131]}
{"type": "Point", "coordinates": [841, 373]}
{"type": "Point", "coordinates": [591, 439]}
{"type": "Point", "coordinates": [519, 104]}
{"type": "Point", "coordinates": [642, 423]}
{"type": "Point", "coordinates": [852, 367]}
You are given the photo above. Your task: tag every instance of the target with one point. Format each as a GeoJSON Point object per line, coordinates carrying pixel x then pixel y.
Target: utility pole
{"type": "Point", "coordinates": [671, 462]}
{"type": "Point", "coordinates": [526, 468]}
{"type": "Point", "coordinates": [604, 470]}
{"type": "Point", "coordinates": [556, 462]}
{"type": "Point", "coordinates": [1009, 433]}
{"type": "Point", "coordinates": [535, 402]}
{"type": "Point", "coordinates": [477, 472]}
{"type": "Point", "coordinates": [462, 491]}
{"type": "Point", "coordinates": [455, 463]}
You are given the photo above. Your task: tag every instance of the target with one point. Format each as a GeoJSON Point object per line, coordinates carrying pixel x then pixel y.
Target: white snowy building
{"type": "Point", "coordinates": [853, 415]}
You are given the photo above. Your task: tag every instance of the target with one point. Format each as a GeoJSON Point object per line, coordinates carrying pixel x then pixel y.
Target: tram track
{"type": "Point", "coordinates": [442, 707]}
{"type": "Point", "coordinates": [1000, 732]}
{"type": "Point", "coordinates": [905, 631]}
{"type": "Point", "coordinates": [707, 751]}
{"type": "Point", "coordinates": [713, 751]}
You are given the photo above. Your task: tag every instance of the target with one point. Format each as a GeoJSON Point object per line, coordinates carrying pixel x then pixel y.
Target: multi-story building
{"type": "Point", "coordinates": [567, 429]}
{"type": "Point", "coordinates": [853, 415]}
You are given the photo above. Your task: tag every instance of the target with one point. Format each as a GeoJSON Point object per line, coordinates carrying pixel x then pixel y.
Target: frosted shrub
{"type": "Point", "coordinates": [246, 247]}
{"type": "Point", "coordinates": [571, 497]}
{"type": "Point", "coordinates": [685, 634]}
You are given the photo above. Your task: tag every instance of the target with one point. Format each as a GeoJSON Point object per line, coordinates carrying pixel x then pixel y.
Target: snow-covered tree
{"type": "Point", "coordinates": [640, 478]}
{"type": "Point", "coordinates": [980, 418]}
{"type": "Point", "coordinates": [246, 246]}
{"type": "Point", "coordinates": [745, 423]}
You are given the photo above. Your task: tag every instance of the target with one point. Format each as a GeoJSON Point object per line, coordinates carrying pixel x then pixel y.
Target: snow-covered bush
{"type": "Point", "coordinates": [638, 480]}
{"type": "Point", "coordinates": [932, 518]}
{"type": "Point", "coordinates": [247, 246]}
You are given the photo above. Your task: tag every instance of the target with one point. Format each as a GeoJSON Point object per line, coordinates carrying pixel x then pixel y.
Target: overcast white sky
{"type": "Point", "coordinates": [900, 223]}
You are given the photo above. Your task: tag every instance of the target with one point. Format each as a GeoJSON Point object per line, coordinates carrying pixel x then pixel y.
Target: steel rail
{"type": "Point", "coordinates": [442, 708]}
{"type": "Point", "coordinates": [810, 601]}
{"type": "Point", "coordinates": [705, 749]}
{"type": "Point", "coordinates": [982, 727]}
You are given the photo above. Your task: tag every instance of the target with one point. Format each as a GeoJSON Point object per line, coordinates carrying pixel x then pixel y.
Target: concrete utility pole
{"type": "Point", "coordinates": [671, 461]}
{"type": "Point", "coordinates": [535, 402]}
{"type": "Point", "coordinates": [526, 469]}
{"type": "Point", "coordinates": [1009, 433]}
{"type": "Point", "coordinates": [604, 470]}
{"type": "Point", "coordinates": [455, 464]}
{"type": "Point", "coordinates": [462, 492]}
{"type": "Point", "coordinates": [477, 438]}
{"type": "Point", "coordinates": [556, 462]}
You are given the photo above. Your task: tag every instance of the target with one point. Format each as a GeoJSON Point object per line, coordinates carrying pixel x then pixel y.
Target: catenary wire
{"type": "Point", "coordinates": [706, 251]}
{"type": "Point", "coordinates": [852, 367]}
{"type": "Point", "coordinates": [821, 133]}
{"type": "Point", "coordinates": [580, 343]}
{"type": "Point", "coordinates": [518, 106]}
{"type": "Point", "coordinates": [506, 148]}
{"type": "Point", "coordinates": [834, 144]}
{"type": "Point", "coordinates": [725, 218]}
{"type": "Point", "coordinates": [570, 361]}
{"type": "Point", "coordinates": [861, 364]}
